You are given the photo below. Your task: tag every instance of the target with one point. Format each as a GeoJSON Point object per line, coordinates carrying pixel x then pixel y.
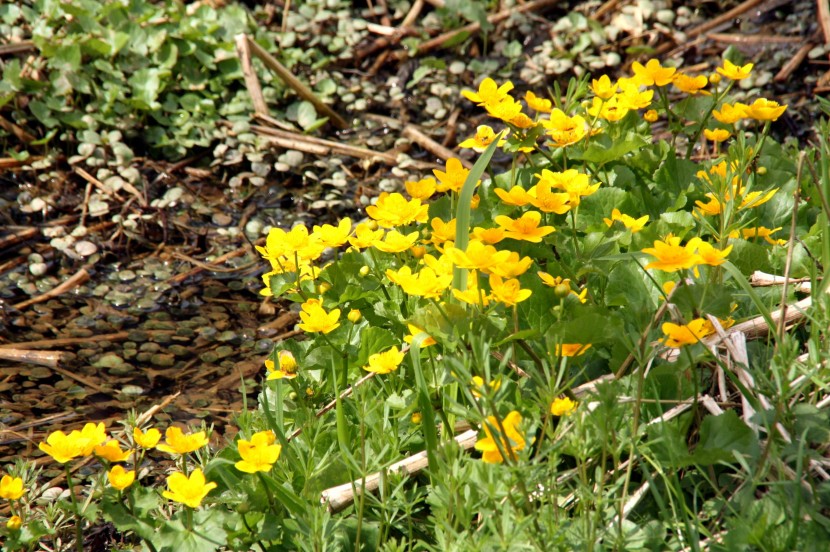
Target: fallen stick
{"type": "Point", "coordinates": [179, 278]}
{"type": "Point", "coordinates": [302, 90]}
{"type": "Point", "coordinates": [50, 359]}
{"type": "Point", "coordinates": [320, 146]}
{"type": "Point", "coordinates": [77, 279]}
{"type": "Point", "coordinates": [793, 63]}
{"type": "Point", "coordinates": [414, 134]}
{"type": "Point", "coordinates": [339, 497]}
{"type": "Point", "coordinates": [243, 52]}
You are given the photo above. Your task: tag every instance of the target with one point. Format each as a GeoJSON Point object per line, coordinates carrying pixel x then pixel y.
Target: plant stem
{"type": "Point", "coordinates": [79, 536]}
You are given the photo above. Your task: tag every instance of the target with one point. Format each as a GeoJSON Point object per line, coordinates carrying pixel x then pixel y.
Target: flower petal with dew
{"type": "Point", "coordinates": [453, 178]}
{"type": "Point", "coordinates": [415, 330]}
{"type": "Point", "coordinates": [420, 189]}
{"type": "Point", "coordinates": [635, 225]}
{"type": "Point", "coordinates": [111, 452]}
{"type": "Point", "coordinates": [489, 92]}
{"type": "Point", "coordinates": [534, 102]}
{"type": "Point", "coordinates": [516, 196]}
{"type": "Point", "coordinates": [764, 110]}
{"type": "Point", "coordinates": [524, 228]}
{"type": "Point", "coordinates": [671, 256]}
{"type": "Point", "coordinates": [365, 236]}
{"type": "Point", "coordinates": [146, 439]}
{"type": "Point", "coordinates": [734, 72]}
{"type": "Point", "coordinates": [716, 134]}
{"type": "Point", "coordinates": [603, 88]}
{"type": "Point", "coordinates": [259, 454]}
{"type": "Point", "coordinates": [729, 114]}
{"type": "Point", "coordinates": [652, 73]}
{"type": "Point", "coordinates": [385, 362]}
{"type": "Point", "coordinates": [507, 292]}
{"type": "Point", "coordinates": [189, 491]}
{"type": "Point", "coordinates": [679, 335]}
{"type": "Point", "coordinates": [511, 441]}
{"type": "Point", "coordinates": [287, 369]}
{"type": "Point", "coordinates": [565, 130]}
{"type": "Point", "coordinates": [62, 447]}
{"type": "Point", "coordinates": [483, 137]}
{"type": "Point", "coordinates": [563, 406]}
{"type": "Point", "coordinates": [177, 442]}
{"type": "Point", "coordinates": [394, 209]}
{"type": "Point", "coordinates": [334, 236]}
{"type": "Point", "coordinates": [315, 318]}
{"type": "Point", "coordinates": [119, 478]}
{"type": "Point", "coordinates": [11, 488]}
{"type": "Point", "coordinates": [572, 349]}
{"type": "Point", "coordinates": [690, 85]}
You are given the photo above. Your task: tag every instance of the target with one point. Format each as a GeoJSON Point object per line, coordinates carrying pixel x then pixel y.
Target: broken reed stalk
{"type": "Point", "coordinates": [50, 359]}
{"type": "Point", "coordinates": [302, 90]}
{"type": "Point", "coordinates": [77, 279]}
{"type": "Point", "coordinates": [414, 134]}
{"type": "Point", "coordinates": [248, 73]}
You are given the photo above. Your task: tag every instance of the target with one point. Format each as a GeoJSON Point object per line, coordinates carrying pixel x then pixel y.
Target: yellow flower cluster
{"type": "Point", "coordinates": [671, 256]}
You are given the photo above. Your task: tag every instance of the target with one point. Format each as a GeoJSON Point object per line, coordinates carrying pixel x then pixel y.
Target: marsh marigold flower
{"type": "Point", "coordinates": [490, 236]}
{"type": "Point", "coordinates": [652, 73]}
{"type": "Point", "coordinates": [176, 442]}
{"type": "Point", "coordinates": [565, 130]}
{"type": "Point", "coordinates": [711, 256]}
{"type": "Point", "coordinates": [603, 88]}
{"type": "Point", "coordinates": [365, 236]}
{"type": "Point", "coordinates": [385, 362]}
{"type": "Point", "coordinates": [189, 491]}
{"type": "Point", "coordinates": [420, 189]}
{"type": "Point", "coordinates": [534, 102]}
{"type": "Point", "coordinates": [764, 110]}
{"type": "Point", "coordinates": [489, 92]}
{"type": "Point", "coordinates": [512, 267]}
{"type": "Point", "coordinates": [562, 406]}
{"type": "Point", "coordinates": [146, 439]}
{"type": "Point", "coordinates": [315, 318]}
{"type": "Point", "coordinates": [690, 85]}
{"type": "Point", "coordinates": [111, 452]}
{"type": "Point", "coordinates": [516, 196]}
{"type": "Point", "coordinates": [334, 236]}
{"type": "Point", "coordinates": [651, 116]}
{"type": "Point", "coordinates": [259, 454]}
{"type": "Point", "coordinates": [477, 256]}
{"type": "Point", "coordinates": [730, 114]}
{"type": "Point", "coordinates": [611, 110]}
{"type": "Point", "coordinates": [572, 349]}
{"type": "Point", "coordinates": [394, 209]}
{"type": "Point", "coordinates": [354, 316]}
{"type": "Point", "coordinates": [14, 523]}
{"type": "Point", "coordinates": [716, 134]}
{"type": "Point", "coordinates": [511, 442]}
{"type": "Point", "coordinates": [734, 72]}
{"type": "Point", "coordinates": [679, 335]}
{"type": "Point", "coordinates": [507, 292]}
{"type": "Point", "coordinates": [483, 137]}
{"type": "Point", "coordinates": [425, 283]}
{"type": "Point", "coordinates": [453, 178]}
{"type": "Point", "coordinates": [415, 330]}
{"type": "Point", "coordinates": [119, 478]}
{"type": "Point", "coordinates": [635, 225]}
{"type": "Point", "coordinates": [11, 488]}
{"type": "Point", "coordinates": [63, 448]}
{"type": "Point", "coordinates": [525, 228]}
{"type": "Point", "coordinates": [671, 256]}
{"type": "Point", "coordinates": [287, 369]}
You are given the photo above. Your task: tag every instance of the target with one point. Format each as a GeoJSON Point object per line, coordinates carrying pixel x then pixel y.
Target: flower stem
{"type": "Point", "coordinates": [79, 535]}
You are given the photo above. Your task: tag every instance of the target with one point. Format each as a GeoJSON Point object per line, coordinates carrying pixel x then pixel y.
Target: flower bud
{"type": "Point", "coordinates": [651, 116]}
{"type": "Point", "coordinates": [416, 418]}
{"type": "Point", "coordinates": [14, 523]}
{"type": "Point", "coordinates": [323, 287]}
{"type": "Point", "coordinates": [761, 170]}
{"type": "Point", "coordinates": [562, 291]}
{"type": "Point", "coordinates": [354, 316]}
{"type": "Point", "coordinates": [292, 396]}
{"type": "Point", "coordinates": [418, 251]}
{"type": "Point", "coordinates": [364, 270]}
{"type": "Point", "coordinates": [714, 78]}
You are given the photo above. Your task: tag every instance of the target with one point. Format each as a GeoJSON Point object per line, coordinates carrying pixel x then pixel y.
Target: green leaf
{"type": "Point", "coordinates": [373, 340]}
{"type": "Point", "coordinates": [306, 115]}
{"type": "Point", "coordinates": [602, 150]}
{"type": "Point", "coordinates": [724, 437]}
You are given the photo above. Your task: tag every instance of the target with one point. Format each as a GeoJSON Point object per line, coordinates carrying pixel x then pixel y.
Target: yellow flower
{"type": "Point", "coordinates": [395, 242]}
{"type": "Point", "coordinates": [453, 178]}
{"type": "Point", "coordinates": [416, 418]}
{"type": "Point", "coordinates": [717, 134]}
{"type": "Point", "coordinates": [365, 236]}
{"type": "Point", "coordinates": [713, 207]}
{"type": "Point", "coordinates": [512, 267]}
{"type": "Point", "coordinates": [610, 110]}
{"type": "Point", "coordinates": [565, 130]}
{"type": "Point", "coordinates": [63, 448]}
{"type": "Point", "coordinates": [111, 452]}
{"type": "Point", "coordinates": [516, 196]}
{"type": "Point", "coordinates": [385, 362]}
{"type": "Point", "coordinates": [483, 137]}
{"type": "Point", "coordinates": [562, 406]}
{"type": "Point", "coordinates": [689, 84]}
{"type": "Point", "coordinates": [730, 114]}
{"type": "Point", "coordinates": [552, 281]}
{"type": "Point", "coordinates": [259, 454]}
{"type": "Point", "coordinates": [762, 232]}
{"type": "Point", "coordinates": [176, 442]}
{"type": "Point", "coordinates": [394, 210]}
{"type": "Point", "coordinates": [525, 228]}
{"type": "Point", "coordinates": [316, 319]}
{"type": "Point", "coordinates": [425, 283]}
{"type": "Point", "coordinates": [147, 439]}
{"type": "Point", "coordinates": [671, 256]}
{"type": "Point", "coordinates": [711, 256]}
{"type": "Point", "coordinates": [678, 335]}
{"type": "Point", "coordinates": [441, 266]}
{"type": "Point", "coordinates": [477, 256]}
{"type": "Point", "coordinates": [14, 523]}
{"type": "Point", "coordinates": [534, 102]}
{"type": "Point", "coordinates": [442, 231]}
{"type": "Point", "coordinates": [734, 72]}
{"type": "Point", "coordinates": [548, 201]}
{"type": "Point", "coordinates": [473, 295]}
{"type": "Point", "coordinates": [572, 349]}
{"type": "Point", "coordinates": [651, 116]}
{"type": "Point", "coordinates": [334, 236]}
{"type": "Point", "coordinates": [354, 316]}
{"type": "Point", "coordinates": [119, 478]}
{"type": "Point", "coordinates": [577, 185]}
{"type": "Point", "coordinates": [11, 488]}
{"type": "Point", "coordinates": [511, 442]}
{"type": "Point", "coordinates": [508, 110]}
{"type": "Point", "coordinates": [421, 189]}
{"type": "Point", "coordinates": [652, 73]}
{"type": "Point", "coordinates": [754, 199]}
{"type": "Point", "coordinates": [631, 97]}
{"type": "Point", "coordinates": [489, 236]}
{"type": "Point", "coordinates": [189, 491]}
{"type": "Point", "coordinates": [288, 366]}
{"type": "Point", "coordinates": [480, 387]}
{"type": "Point", "coordinates": [603, 87]}
{"type": "Point", "coordinates": [489, 92]}
{"type": "Point", "coordinates": [764, 110]}
{"type": "Point", "coordinates": [507, 292]}
{"type": "Point", "coordinates": [280, 243]}
{"type": "Point", "coordinates": [415, 330]}
{"type": "Point", "coordinates": [635, 225]}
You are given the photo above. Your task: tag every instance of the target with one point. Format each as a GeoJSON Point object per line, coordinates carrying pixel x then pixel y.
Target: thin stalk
{"type": "Point", "coordinates": [79, 535]}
